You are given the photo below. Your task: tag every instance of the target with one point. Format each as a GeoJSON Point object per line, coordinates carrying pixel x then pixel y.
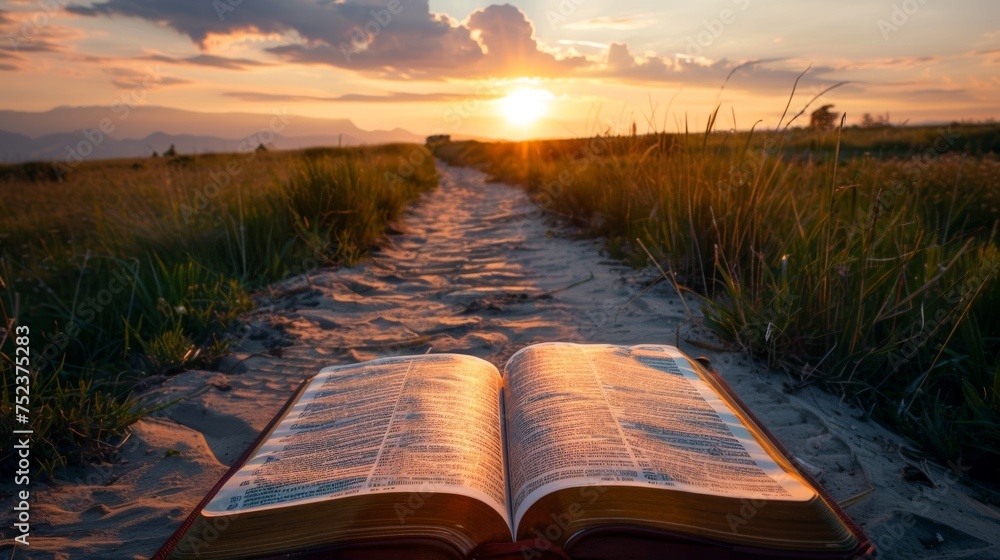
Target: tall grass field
{"type": "Point", "coordinates": [865, 260]}
{"type": "Point", "coordinates": [126, 270]}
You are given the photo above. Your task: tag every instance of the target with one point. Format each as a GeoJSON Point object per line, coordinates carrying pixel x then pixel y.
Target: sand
{"type": "Point", "coordinates": [476, 270]}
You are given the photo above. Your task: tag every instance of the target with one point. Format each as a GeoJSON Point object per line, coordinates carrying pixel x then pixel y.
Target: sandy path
{"type": "Point", "coordinates": [477, 271]}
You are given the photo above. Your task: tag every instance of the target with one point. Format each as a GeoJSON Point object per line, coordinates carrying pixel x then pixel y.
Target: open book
{"type": "Point", "coordinates": [585, 451]}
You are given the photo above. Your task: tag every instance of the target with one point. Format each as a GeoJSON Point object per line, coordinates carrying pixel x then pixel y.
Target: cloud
{"type": "Point", "coordinates": [29, 37]}
{"type": "Point", "coordinates": [495, 41]}
{"type": "Point", "coordinates": [620, 23]}
{"type": "Point", "coordinates": [403, 39]}
{"type": "Point", "coordinates": [623, 64]}
{"type": "Point", "coordinates": [887, 62]}
{"type": "Point", "coordinates": [589, 44]}
{"type": "Point", "coordinates": [391, 97]}
{"type": "Point", "coordinates": [939, 92]}
{"type": "Point", "coordinates": [195, 18]}
{"type": "Point", "coordinates": [74, 57]}
{"type": "Point", "coordinates": [208, 60]}
{"type": "Point", "coordinates": [398, 39]}
{"type": "Point", "coordinates": [359, 34]}
{"type": "Point", "coordinates": [988, 58]}
{"type": "Point", "coordinates": [414, 44]}
{"type": "Point", "coordinates": [508, 39]}
{"type": "Point", "coordinates": [685, 71]}
{"type": "Point", "coordinates": [127, 78]}
{"type": "Point", "coordinates": [949, 95]}
{"type": "Point", "coordinates": [31, 45]}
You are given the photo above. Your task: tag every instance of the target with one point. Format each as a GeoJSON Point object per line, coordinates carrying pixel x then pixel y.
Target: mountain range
{"type": "Point", "coordinates": [69, 133]}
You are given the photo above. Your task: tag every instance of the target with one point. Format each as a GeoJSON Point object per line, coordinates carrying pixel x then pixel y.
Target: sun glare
{"type": "Point", "coordinates": [524, 107]}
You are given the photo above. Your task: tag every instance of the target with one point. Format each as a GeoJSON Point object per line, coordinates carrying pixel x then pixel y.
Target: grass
{"type": "Point", "coordinates": [863, 260]}
{"type": "Point", "coordinates": [129, 270]}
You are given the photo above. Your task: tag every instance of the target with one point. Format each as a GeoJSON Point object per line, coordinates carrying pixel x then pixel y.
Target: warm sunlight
{"type": "Point", "coordinates": [426, 189]}
{"type": "Point", "coordinates": [524, 107]}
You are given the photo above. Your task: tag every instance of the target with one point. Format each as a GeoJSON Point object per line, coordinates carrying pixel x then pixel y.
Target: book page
{"type": "Point", "coordinates": [427, 424]}
{"type": "Point", "coordinates": [581, 415]}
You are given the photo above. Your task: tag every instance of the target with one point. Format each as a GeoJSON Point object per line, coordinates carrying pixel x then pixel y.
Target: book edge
{"type": "Point", "coordinates": [864, 547]}
{"type": "Point", "coordinates": [178, 535]}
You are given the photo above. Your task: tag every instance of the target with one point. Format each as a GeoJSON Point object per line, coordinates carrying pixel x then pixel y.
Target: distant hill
{"type": "Point", "coordinates": [65, 132]}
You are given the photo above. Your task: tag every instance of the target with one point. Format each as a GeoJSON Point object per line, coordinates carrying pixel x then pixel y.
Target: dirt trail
{"type": "Point", "coordinates": [478, 271]}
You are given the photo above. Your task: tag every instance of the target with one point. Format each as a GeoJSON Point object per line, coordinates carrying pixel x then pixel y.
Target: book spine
{"type": "Point", "coordinates": [516, 551]}
{"type": "Point", "coordinates": [176, 537]}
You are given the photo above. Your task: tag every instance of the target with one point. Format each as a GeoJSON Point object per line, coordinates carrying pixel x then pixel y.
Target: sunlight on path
{"type": "Point", "coordinates": [477, 271]}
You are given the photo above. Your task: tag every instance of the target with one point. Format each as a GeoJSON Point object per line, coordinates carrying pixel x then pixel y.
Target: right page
{"type": "Point", "coordinates": [602, 415]}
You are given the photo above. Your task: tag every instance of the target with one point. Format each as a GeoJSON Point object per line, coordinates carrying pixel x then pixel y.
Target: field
{"type": "Point", "coordinates": [865, 260]}
{"type": "Point", "coordinates": [125, 271]}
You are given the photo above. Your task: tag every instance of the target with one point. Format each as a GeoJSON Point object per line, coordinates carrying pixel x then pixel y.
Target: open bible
{"type": "Point", "coordinates": [578, 451]}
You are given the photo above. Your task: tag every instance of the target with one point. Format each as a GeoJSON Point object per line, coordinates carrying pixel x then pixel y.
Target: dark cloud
{"type": "Point", "coordinates": [208, 60]}
{"type": "Point", "coordinates": [496, 41]}
{"type": "Point", "coordinates": [198, 19]}
{"type": "Point", "coordinates": [412, 44]}
{"type": "Point", "coordinates": [360, 34]}
{"type": "Point", "coordinates": [392, 97]}
{"type": "Point", "coordinates": [394, 39]}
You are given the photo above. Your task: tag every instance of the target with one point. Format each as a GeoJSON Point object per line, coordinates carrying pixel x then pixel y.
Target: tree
{"type": "Point", "coordinates": [823, 118]}
{"type": "Point", "coordinates": [877, 121]}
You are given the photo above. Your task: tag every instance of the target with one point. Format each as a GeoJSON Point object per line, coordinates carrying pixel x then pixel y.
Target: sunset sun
{"type": "Point", "coordinates": [524, 107]}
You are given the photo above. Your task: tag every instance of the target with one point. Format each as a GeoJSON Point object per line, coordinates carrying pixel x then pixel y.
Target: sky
{"type": "Point", "coordinates": [550, 68]}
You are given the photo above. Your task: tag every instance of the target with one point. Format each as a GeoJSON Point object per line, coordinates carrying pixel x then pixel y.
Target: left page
{"type": "Point", "coordinates": [427, 424]}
